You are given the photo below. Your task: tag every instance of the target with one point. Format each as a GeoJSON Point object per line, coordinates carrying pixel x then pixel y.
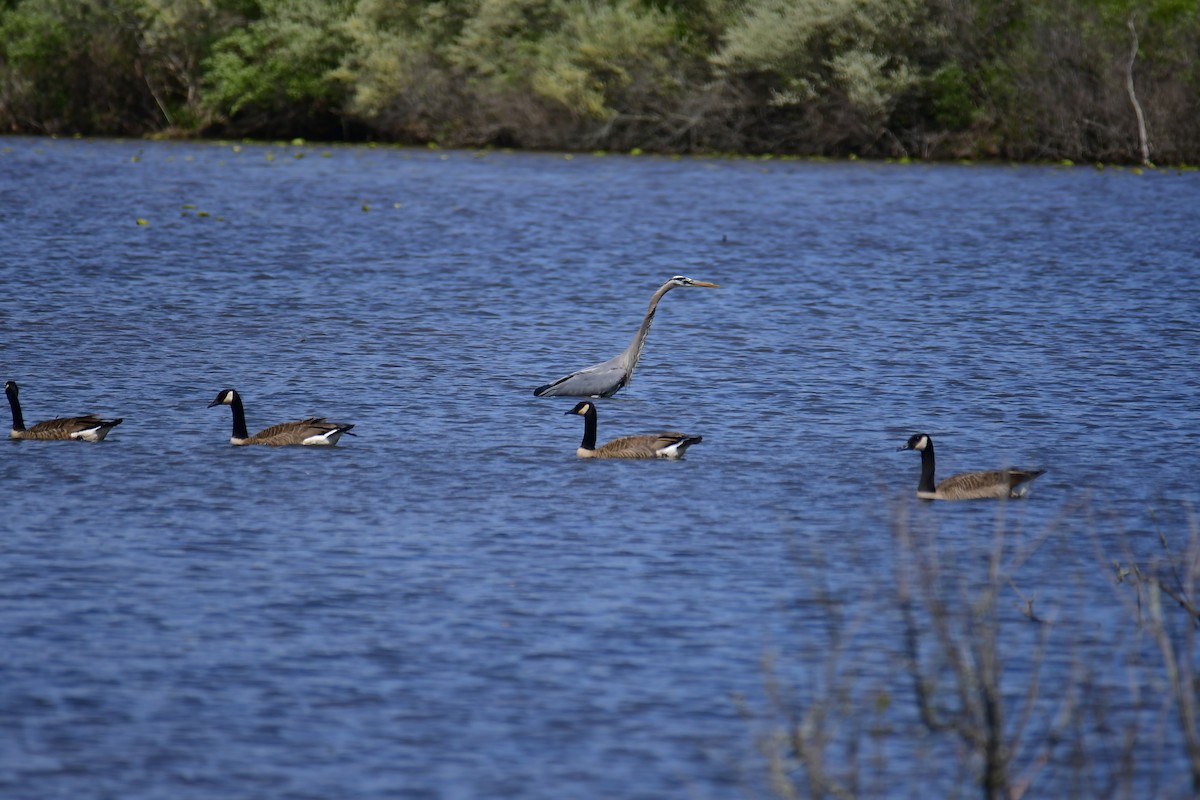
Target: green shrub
{"type": "Point", "coordinates": [819, 53]}
{"type": "Point", "coordinates": [277, 74]}
{"type": "Point", "coordinates": [72, 66]}
{"type": "Point", "coordinates": [607, 59]}
{"type": "Point", "coordinates": [950, 96]}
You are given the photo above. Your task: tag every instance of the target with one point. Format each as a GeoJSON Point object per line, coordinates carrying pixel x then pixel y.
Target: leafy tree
{"type": "Point", "coordinates": [72, 66]}
{"type": "Point", "coordinates": [1077, 79]}
{"type": "Point", "coordinates": [528, 72]}
{"type": "Point", "coordinates": [174, 38]}
{"type": "Point", "coordinates": [276, 75]}
{"type": "Point", "coordinates": [815, 52]}
{"type": "Point", "coordinates": [397, 72]}
{"type": "Point", "coordinates": [605, 61]}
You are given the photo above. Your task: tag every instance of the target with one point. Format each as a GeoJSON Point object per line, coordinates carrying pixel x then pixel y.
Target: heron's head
{"type": "Point", "coordinates": [583, 408]}
{"type": "Point", "coordinates": [224, 398]}
{"type": "Point", "coordinates": [683, 280]}
{"type": "Point", "coordinates": [918, 441]}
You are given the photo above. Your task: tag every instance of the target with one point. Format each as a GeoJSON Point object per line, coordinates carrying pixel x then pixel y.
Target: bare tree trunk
{"type": "Point", "coordinates": [1143, 139]}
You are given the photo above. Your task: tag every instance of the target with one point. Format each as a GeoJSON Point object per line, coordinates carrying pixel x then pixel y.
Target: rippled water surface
{"type": "Point", "coordinates": [450, 604]}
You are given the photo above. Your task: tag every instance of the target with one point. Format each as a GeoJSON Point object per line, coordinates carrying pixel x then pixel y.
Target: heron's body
{"type": "Point", "coordinates": [311, 431]}
{"type": "Point", "coordinates": [86, 428]}
{"type": "Point", "coordinates": [990, 484]}
{"type": "Point", "coordinates": [668, 444]}
{"type": "Point", "coordinates": [609, 377]}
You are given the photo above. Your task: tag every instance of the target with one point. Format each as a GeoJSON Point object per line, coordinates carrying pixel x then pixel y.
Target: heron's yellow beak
{"type": "Point", "coordinates": [706, 283]}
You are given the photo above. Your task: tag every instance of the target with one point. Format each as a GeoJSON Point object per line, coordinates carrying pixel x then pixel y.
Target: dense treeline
{"type": "Point", "coordinates": [1107, 80]}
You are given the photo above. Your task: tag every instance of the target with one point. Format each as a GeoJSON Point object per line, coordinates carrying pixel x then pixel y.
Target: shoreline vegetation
{"type": "Point", "coordinates": [1104, 81]}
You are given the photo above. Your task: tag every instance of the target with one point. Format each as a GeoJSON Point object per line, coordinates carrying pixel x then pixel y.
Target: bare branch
{"type": "Point", "coordinates": [1143, 139]}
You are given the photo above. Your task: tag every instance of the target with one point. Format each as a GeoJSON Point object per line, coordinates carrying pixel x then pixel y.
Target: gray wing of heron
{"type": "Point", "coordinates": [608, 377]}
{"type": "Point", "coordinates": [598, 380]}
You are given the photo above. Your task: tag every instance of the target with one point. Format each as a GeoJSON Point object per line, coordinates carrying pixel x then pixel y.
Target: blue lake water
{"type": "Point", "coordinates": [450, 604]}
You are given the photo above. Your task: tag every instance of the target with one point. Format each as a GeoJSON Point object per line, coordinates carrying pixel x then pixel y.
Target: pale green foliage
{"type": "Point", "coordinates": [501, 40]}
{"type": "Point", "coordinates": [579, 56]}
{"type": "Point", "coordinates": [376, 67]}
{"type": "Point", "coordinates": [283, 61]}
{"type": "Point", "coordinates": [166, 21]}
{"type": "Point", "coordinates": [394, 47]}
{"type": "Point", "coordinates": [600, 52]}
{"type": "Point", "coordinates": [858, 49]}
{"type": "Point", "coordinates": [871, 81]}
{"type": "Point", "coordinates": [175, 37]}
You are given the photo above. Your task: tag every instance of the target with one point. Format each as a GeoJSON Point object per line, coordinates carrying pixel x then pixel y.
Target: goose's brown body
{"type": "Point", "coordinates": [984, 485]}
{"type": "Point", "coordinates": [644, 446]}
{"type": "Point", "coordinates": [668, 444]}
{"type": "Point", "coordinates": [314, 430]}
{"type": "Point", "coordinates": [311, 431]}
{"type": "Point", "coordinates": [998, 483]}
{"type": "Point", "coordinates": [87, 428]}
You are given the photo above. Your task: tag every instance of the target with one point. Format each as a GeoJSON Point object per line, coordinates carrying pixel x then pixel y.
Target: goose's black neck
{"type": "Point", "coordinates": [239, 418]}
{"type": "Point", "coordinates": [589, 429]}
{"type": "Point", "coordinates": [927, 461]}
{"type": "Point", "coordinates": [15, 404]}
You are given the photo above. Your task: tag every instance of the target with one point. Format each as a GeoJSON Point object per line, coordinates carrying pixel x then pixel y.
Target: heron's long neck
{"type": "Point", "coordinates": [239, 419]}
{"type": "Point", "coordinates": [18, 417]}
{"type": "Point", "coordinates": [634, 352]}
{"type": "Point", "coordinates": [927, 484]}
{"type": "Point", "coordinates": [589, 430]}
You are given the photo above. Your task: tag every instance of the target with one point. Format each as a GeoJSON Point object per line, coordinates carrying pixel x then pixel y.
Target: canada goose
{"type": "Point", "coordinates": [653, 445]}
{"type": "Point", "coordinates": [88, 428]}
{"type": "Point", "coordinates": [609, 377]}
{"type": "Point", "coordinates": [967, 485]}
{"type": "Point", "coordinates": [311, 431]}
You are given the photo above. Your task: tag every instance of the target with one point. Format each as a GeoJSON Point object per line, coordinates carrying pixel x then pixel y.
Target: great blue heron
{"type": "Point", "coordinates": [311, 431]}
{"type": "Point", "coordinates": [88, 428]}
{"type": "Point", "coordinates": [967, 485]}
{"type": "Point", "coordinates": [609, 377]}
{"type": "Point", "coordinates": [655, 445]}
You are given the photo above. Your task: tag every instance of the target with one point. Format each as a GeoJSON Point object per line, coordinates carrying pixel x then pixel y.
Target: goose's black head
{"type": "Point", "coordinates": [224, 398]}
{"type": "Point", "coordinates": [11, 389]}
{"type": "Point", "coordinates": [918, 441]}
{"type": "Point", "coordinates": [582, 408]}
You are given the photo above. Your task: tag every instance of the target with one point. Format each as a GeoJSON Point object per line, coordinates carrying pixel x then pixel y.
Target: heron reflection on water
{"type": "Point", "coordinates": [609, 377]}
